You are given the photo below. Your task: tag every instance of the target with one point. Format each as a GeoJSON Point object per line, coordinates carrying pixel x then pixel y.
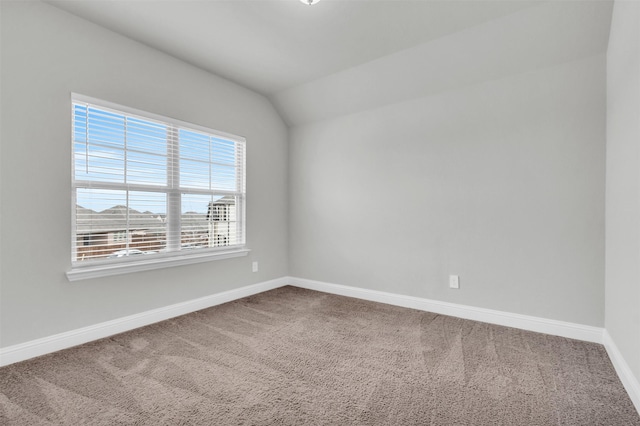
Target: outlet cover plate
{"type": "Point", "coordinates": [454, 281]}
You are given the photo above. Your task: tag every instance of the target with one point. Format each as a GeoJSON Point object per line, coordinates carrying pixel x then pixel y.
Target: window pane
{"type": "Point", "coordinates": [195, 231]}
{"type": "Point", "coordinates": [208, 221]}
{"type": "Point", "coordinates": [117, 223]}
{"type": "Point", "coordinates": [100, 215]}
{"type": "Point", "coordinates": [207, 162]}
{"type": "Point", "coordinates": [147, 221]}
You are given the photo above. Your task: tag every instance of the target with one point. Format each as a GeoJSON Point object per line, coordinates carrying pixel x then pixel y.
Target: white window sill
{"type": "Point", "coordinates": [126, 266]}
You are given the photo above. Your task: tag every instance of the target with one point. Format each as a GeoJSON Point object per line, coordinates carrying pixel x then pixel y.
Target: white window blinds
{"type": "Point", "coordinates": [145, 185]}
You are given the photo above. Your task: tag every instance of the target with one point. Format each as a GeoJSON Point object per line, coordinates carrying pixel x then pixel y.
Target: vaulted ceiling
{"type": "Point", "coordinates": [343, 56]}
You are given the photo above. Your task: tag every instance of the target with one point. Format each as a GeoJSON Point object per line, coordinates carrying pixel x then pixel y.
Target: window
{"type": "Point", "coordinates": [150, 190]}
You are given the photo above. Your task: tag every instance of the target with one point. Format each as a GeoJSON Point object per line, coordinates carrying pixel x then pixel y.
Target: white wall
{"type": "Point", "coordinates": [623, 183]}
{"type": "Point", "coordinates": [500, 182]}
{"type": "Point", "coordinates": [46, 55]}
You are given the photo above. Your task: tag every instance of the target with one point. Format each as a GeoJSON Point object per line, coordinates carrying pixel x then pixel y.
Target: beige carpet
{"type": "Point", "coordinates": [298, 357]}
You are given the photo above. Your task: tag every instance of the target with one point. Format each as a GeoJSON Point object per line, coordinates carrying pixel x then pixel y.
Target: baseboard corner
{"type": "Point", "coordinates": [629, 381]}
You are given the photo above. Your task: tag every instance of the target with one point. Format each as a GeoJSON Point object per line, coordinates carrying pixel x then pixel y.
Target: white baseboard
{"type": "Point", "coordinates": [38, 347]}
{"type": "Point", "coordinates": [524, 322]}
{"type": "Point", "coordinates": [627, 378]}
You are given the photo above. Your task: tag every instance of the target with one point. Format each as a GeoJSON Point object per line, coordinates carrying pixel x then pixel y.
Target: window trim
{"type": "Point", "coordinates": [105, 267]}
{"type": "Point", "coordinates": [133, 264]}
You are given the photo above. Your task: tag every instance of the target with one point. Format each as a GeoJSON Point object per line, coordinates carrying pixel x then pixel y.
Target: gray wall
{"type": "Point", "coordinates": [500, 182]}
{"type": "Point", "coordinates": [46, 54]}
{"type": "Point", "coordinates": [623, 183]}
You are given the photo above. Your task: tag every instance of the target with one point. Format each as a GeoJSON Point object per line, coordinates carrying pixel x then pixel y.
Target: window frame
{"type": "Point", "coordinates": [94, 268]}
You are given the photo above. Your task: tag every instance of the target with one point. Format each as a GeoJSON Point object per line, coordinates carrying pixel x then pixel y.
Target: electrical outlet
{"type": "Point", "coordinates": [454, 281]}
{"type": "Point", "coordinates": [254, 266]}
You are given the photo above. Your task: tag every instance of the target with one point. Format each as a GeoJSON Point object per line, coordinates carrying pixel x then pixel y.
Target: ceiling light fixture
{"type": "Point", "coordinates": [309, 2]}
